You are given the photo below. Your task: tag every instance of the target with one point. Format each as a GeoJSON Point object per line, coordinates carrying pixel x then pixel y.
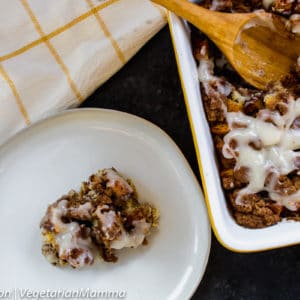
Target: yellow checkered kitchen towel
{"type": "Point", "coordinates": [55, 53]}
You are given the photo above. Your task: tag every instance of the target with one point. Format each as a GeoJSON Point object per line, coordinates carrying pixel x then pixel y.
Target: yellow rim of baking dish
{"type": "Point", "coordinates": [198, 155]}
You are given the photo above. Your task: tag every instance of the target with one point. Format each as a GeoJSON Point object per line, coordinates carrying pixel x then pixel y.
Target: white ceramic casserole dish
{"type": "Point", "coordinates": [228, 232]}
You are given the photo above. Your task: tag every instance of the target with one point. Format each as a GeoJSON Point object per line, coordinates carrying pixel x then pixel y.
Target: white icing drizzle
{"type": "Point", "coordinates": [107, 218]}
{"type": "Point", "coordinates": [216, 4]}
{"type": "Point", "coordinates": [205, 71]}
{"type": "Point", "coordinates": [68, 240]}
{"type": "Point", "coordinates": [205, 74]}
{"type": "Point", "coordinates": [118, 184]}
{"type": "Point", "coordinates": [56, 214]}
{"type": "Point", "coordinates": [68, 237]}
{"type": "Point", "coordinates": [294, 23]}
{"type": "Point", "coordinates": [134, 238]}
{"type": "Point", "coordinates": [236, 96]}
{"type": "Point", "coordinates": [267, 3]}
{"type": "Point", "coordinates": [83, 210]}
{"type": "Point", "coordinates": [277, 156]}
{"type": "Point", "coordinates": [119, 237]}
{"type": "Point", "coordinates": [111, 225]}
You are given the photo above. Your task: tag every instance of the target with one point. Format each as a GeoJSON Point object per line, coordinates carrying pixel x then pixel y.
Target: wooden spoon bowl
{"type": "Point", "coordinates": [256, 44]}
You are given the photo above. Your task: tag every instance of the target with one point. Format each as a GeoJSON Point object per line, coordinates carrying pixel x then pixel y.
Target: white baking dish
{"type": "Point", "coordinates": [229, 234]}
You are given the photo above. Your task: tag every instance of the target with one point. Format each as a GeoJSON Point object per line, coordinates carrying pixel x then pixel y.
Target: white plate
{"type": "Point", "coordinates": [55, 155]}
{"type": "Point", "coordinates": [228, 232]}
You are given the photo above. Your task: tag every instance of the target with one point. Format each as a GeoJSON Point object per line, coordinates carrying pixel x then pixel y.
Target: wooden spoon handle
{"type": "Point", "coordinates": [217, 25]}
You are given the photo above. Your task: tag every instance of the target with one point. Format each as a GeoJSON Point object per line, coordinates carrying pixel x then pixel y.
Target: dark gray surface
{"type": "Point", "coordinates": [148, 86]}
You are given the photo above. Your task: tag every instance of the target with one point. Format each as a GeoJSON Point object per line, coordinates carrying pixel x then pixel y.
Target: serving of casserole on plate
{"type": "Point", "coordinates": [246, 140]}
{"type": "Point", "coordinates": [52, 157]}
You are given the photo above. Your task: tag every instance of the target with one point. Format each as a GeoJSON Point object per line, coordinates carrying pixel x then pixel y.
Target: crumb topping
{"type": "Point", "coordinates": [105, 215]}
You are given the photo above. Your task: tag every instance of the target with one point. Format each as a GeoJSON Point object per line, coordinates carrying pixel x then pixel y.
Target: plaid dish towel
{"type": "Point", "coordinates": [55, 53]}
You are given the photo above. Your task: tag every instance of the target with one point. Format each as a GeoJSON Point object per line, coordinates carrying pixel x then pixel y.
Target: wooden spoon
{"type": "Point", "coordinates": [256, 44]}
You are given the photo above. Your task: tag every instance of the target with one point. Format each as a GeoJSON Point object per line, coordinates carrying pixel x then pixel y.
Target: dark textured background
{"type": "Point", "coordinates": [149, 86]}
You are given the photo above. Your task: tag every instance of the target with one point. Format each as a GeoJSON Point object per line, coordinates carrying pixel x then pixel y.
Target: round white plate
{"type": "Point", "coordinates": [55, 155]}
